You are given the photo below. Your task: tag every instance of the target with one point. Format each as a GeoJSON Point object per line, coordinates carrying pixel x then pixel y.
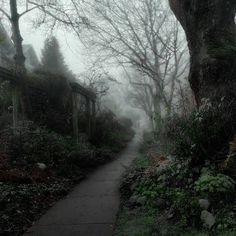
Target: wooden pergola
{"type": "Point", "coordinates": [90, 98]}
{"type": "Point", "coordinates": [77, 91]}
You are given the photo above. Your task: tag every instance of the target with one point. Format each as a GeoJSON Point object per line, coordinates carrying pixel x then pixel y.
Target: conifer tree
{"type": "Point", "coordinates": [52, 58]}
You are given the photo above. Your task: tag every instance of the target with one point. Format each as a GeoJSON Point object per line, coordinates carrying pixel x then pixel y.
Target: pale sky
{"type": "Point", "coordinates": [71, 47]}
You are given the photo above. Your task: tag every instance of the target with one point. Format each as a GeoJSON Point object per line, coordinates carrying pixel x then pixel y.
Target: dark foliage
{"type": "Point", "coordinates": [53, 60]}
{"type": "Point", "coordinates": [205, 135]}
{"type": "Point", "coordinates": [50, 97]}
{"type": "Point", "coordinates": [111, 132]}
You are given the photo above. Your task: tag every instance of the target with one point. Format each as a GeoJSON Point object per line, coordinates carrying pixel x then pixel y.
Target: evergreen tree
{"type": "Point", "coordinates": [52, 58]}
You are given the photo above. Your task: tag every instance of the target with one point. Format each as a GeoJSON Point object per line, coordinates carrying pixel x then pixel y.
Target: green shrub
{"type": "Point", "coordinates": [111, 132]}
{"type": "Point", "coordinates": [186, 208]}
{"type": "Point", "coordinates": [205, 134]}
{"type": "Point", "coordinates": [225, 219]}
{"type": "Point", "coordinates": [81, 156]}
{"type": "Point", "coordinates": [149, 190]}
{"type": "Point", "coordinates": [50, 100]}
{"type": "Point", "coordinates": [131, 177]}
{"type": "Point", "coordinates": [32, 144]}
{"type": "Point", "coordinates": [215, 186]}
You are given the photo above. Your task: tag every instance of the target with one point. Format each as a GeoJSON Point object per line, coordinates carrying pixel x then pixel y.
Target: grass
{"type": "Point", "coordinates": [135, 223]}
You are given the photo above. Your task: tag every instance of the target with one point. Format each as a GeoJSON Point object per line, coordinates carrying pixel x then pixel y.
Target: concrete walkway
{"type": "Point", "coordinates": [91, 208]}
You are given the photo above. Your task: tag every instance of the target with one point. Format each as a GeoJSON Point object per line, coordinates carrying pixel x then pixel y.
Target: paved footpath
{"type": "Point", "coordinates": [91, 208]}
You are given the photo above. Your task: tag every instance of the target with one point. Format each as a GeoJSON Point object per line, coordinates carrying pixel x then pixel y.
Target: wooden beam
{"type": "Point", "coordinates": [88, 115]}
{"type": "Point", "coordinates": [93, 117]}
{"type": "Point", "coordinates": [15, 98]}
{"type": "Point", "coordinates": [87, 93]}
{"type": "Point", "coordinates": [75, 117]}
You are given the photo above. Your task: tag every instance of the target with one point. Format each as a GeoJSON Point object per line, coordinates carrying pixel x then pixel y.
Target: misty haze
{"type": "Point", "coordinates": [118, 118]}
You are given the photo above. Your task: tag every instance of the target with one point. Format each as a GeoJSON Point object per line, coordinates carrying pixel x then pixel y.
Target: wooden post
{"type": "Point", "coordinates": [88, 114]}
{"type": "Point", "coordinates": [15, 101]}
{"type": "Point", "coordinates": [94, 116]}
{"type": "Point", "coordinates": [75, 117]}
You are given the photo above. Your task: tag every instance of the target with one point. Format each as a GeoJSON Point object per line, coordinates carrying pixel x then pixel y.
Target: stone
{"type": "Point", "coordinates": [133, 199]}
{"type": "Point", "coordinates": [41, 166]}
{"type": "Point", "coordinates": [204, 204]}
{"type": "Point", "coordinates": [170, 216]}
{"type": "Point", "coordinates": [170, 158]}
{"type": "Point", "coordinates": [142, 200]}
{"type": "Point", "coordinates": [208, 218]}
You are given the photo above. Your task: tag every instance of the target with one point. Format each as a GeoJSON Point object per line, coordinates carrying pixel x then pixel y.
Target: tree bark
{"type": "Point", "coordinates": [17, 39]}
{"type": "Point", "coordinates": [19, 58]}
{"type": "Point", "coordinates": [75, 117]}
{"type": "Point", "coordinates": [211, 34]}
{"type": "Point", "coordinates": [88, 116]}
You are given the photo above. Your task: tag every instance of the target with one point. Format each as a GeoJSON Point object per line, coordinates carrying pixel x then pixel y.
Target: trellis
{"type": "Point", "coordinates": [77, 91]}
{"type": "Point", "coordinates": [90, 98]}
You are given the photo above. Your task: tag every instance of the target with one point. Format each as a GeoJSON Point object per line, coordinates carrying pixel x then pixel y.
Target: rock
{"type": "Point", "coordinates": [41, 166]}
{"type": "Point", "coordinates": [133, 199]}
{"type": "Point", "coordinates": [207, 218]}
{"type": "Point", "coordinates": [179, 166]}
{"type": "Point", "coordinates": [204, 203]}
{"type": "Point", "coordinates": [170, 216]}
{"type": "Point", "coordinates": [170, 158]}
{"type": "Point", "coordinates": [142, 200]}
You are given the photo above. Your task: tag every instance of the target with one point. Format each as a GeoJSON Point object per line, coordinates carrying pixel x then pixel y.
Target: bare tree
{"type": "Point", "coordinates": [143, 35]}
{"type": "Point", "coordinates": [9, 9]}
{"type": "Point", "coordinates": [60, 13]}
{"type": "Point", "coordinates": [96, 79]}
{"type": "Point", "coordinates": [140, 33]}
{"type": "Point", "coordinates": [142, 96]}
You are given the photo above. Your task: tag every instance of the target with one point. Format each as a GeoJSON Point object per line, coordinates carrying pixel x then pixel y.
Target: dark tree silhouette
{"type": "Point", "coordinates": [52, 58]}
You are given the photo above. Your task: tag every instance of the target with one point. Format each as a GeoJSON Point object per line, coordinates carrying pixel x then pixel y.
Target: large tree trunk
{"type": "Point", "coordinates": [211, 33]}
{"type": "Point", "coordinates": [17, 39]}
{"type": "Point", "coordinates": [20, 70]}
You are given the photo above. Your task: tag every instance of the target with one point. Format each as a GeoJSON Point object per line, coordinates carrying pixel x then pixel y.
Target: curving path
{"type": "Point", "coordinates": [91, 208]}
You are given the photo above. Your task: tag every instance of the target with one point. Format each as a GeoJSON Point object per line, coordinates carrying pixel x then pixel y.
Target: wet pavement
{"type": "Point", "coordinates": [91, 208]}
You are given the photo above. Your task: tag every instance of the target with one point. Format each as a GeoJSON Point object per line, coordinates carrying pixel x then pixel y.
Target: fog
{"type": "Point", "coordinates": [83, 48]}
{"type": "Point", "coordinates": [78, 58]}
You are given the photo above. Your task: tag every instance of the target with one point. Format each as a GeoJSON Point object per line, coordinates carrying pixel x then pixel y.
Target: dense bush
{"type": "Point", "coordinates": [111, 132]}
{"type": "Point", "coordinates": [204, 135]}
{"type": "Point", "coordinates": [32, 144]}
{"type": "Point", "coordinates": [177, 190]}
{"type": "Point", "coordinates": [219, 186]}
{"type": "Point", "coordinates": [22, 204]}
{"type": "Point", "coordinates": [50, 98]}
{"type": "Point", "coordinates": [163, 191]}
